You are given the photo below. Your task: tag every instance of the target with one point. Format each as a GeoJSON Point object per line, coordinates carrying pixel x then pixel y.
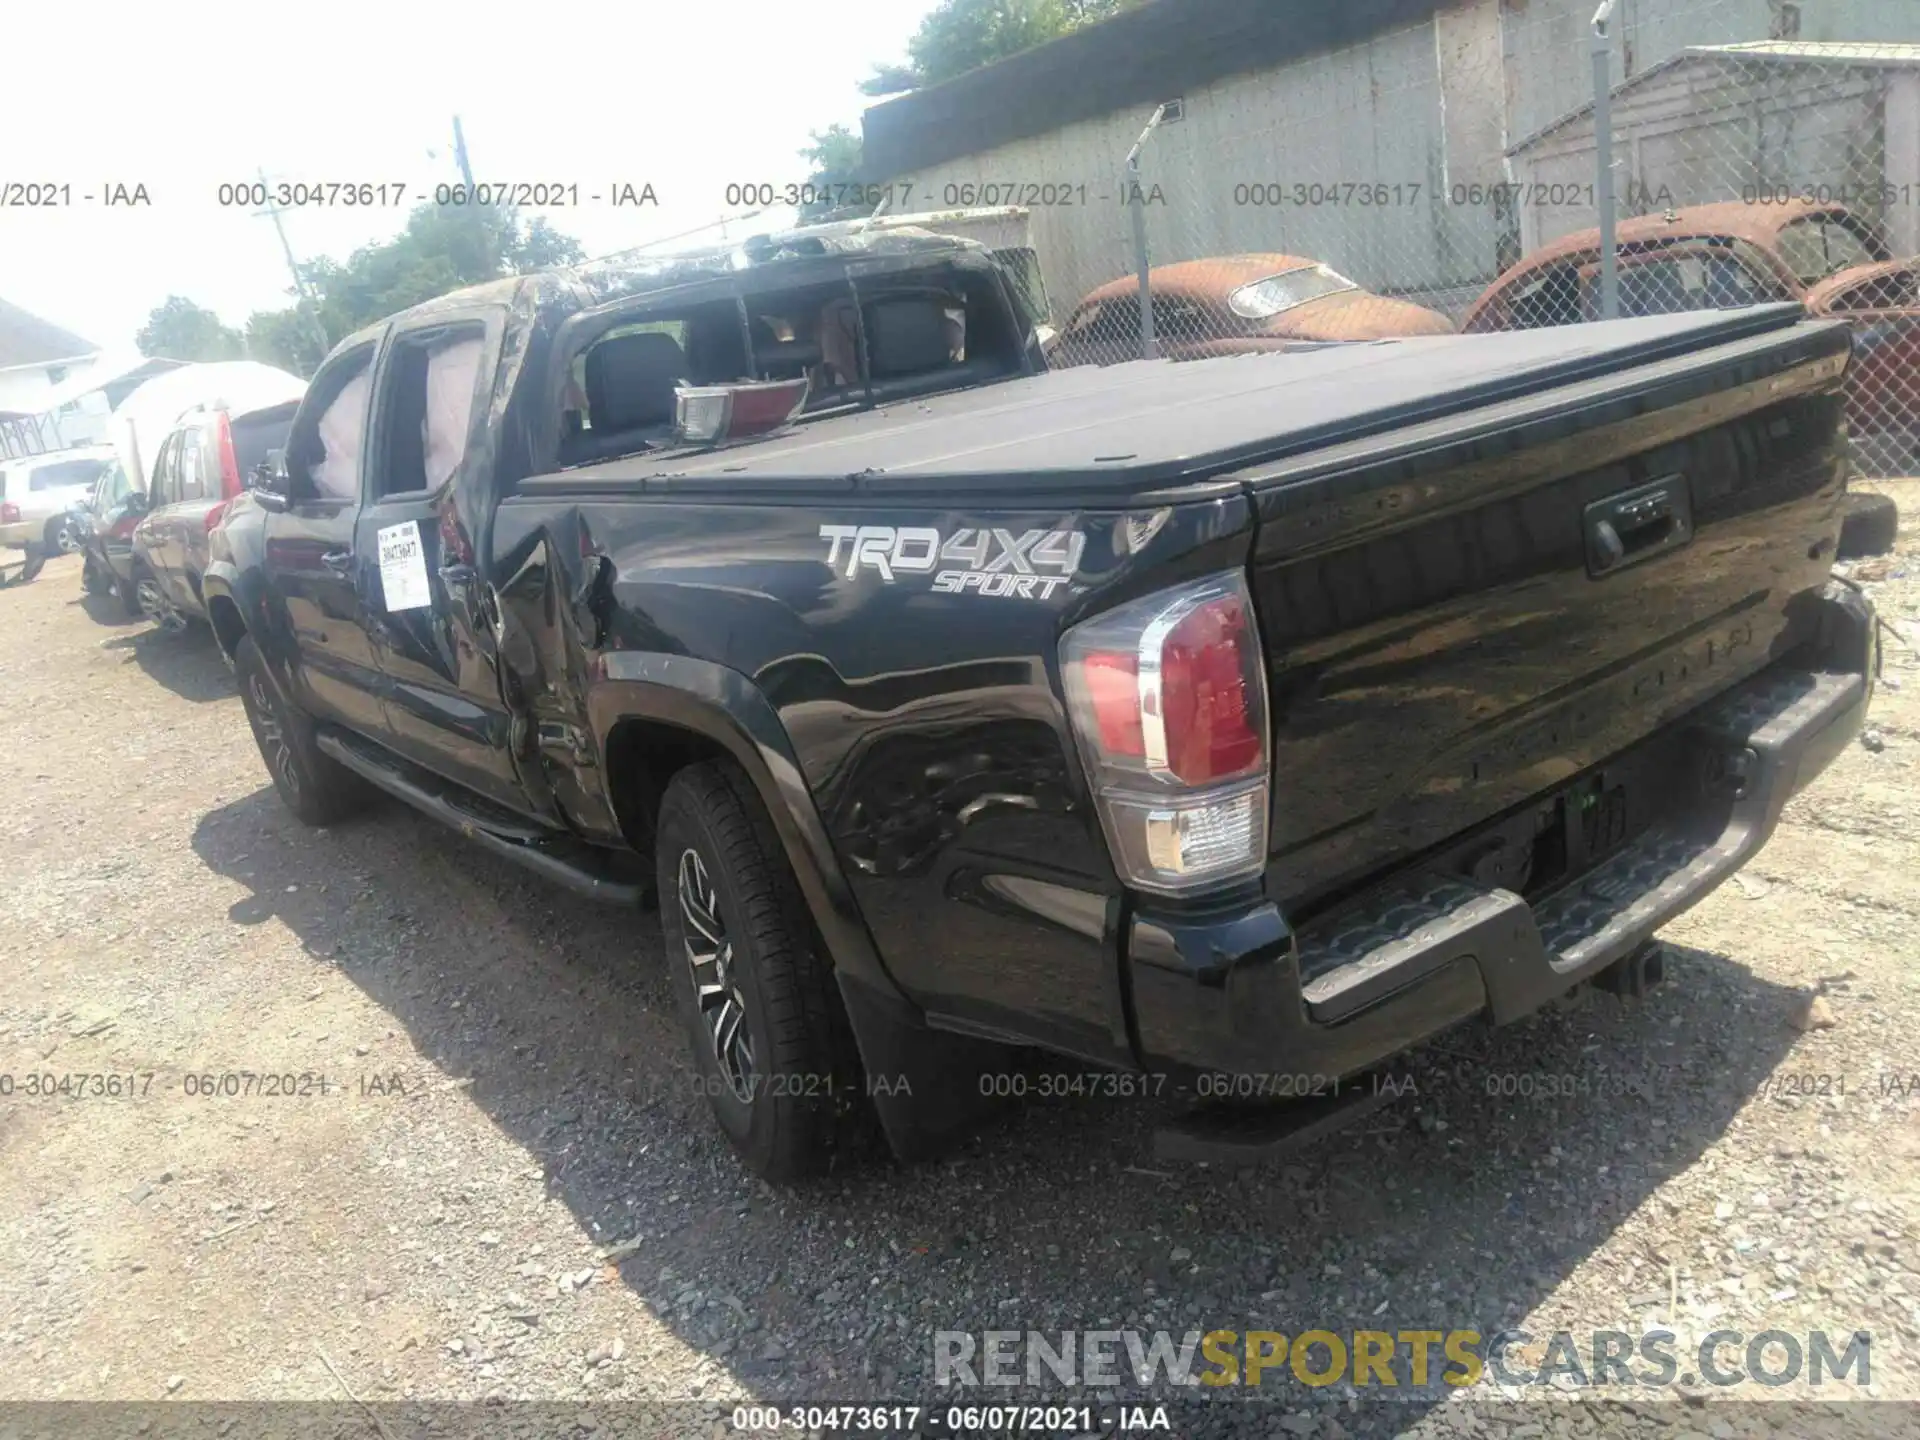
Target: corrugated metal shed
{"type": "Point", "coordinates": [1756, 122]}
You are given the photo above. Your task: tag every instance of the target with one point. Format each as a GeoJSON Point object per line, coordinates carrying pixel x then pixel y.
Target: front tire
{"type": "Point", "coordinates": [770, 1038]}
{"type": "Point", "coordinates": [315, 787]}
{"type": "Point", "coordinates": [93, 579]}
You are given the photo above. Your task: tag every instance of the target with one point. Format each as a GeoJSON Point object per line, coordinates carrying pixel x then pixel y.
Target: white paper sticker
{"type": "Point", "coordinates": [403, 567]}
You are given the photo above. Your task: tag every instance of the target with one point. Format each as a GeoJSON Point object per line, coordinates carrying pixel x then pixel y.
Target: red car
{"type": "Point", "coordinates": [1720, 256]}
{"type": "Point", "coordinates": [1234, 305]}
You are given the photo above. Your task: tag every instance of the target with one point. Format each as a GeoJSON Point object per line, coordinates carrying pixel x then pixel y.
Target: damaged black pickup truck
{"type": "Point", "coordinates": [1252, 718]}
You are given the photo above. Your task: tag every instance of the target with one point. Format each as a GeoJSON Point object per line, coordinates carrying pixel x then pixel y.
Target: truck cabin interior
{"type": "Point", "coordinates": [857, 342]}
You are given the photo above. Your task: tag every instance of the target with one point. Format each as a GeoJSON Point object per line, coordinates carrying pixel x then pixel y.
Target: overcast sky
{"type": "Point", "coordinates": [184, 96]}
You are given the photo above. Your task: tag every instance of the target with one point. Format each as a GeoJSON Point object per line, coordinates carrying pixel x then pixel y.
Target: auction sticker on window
{"type": "Point", "coordinates": [403, 567]}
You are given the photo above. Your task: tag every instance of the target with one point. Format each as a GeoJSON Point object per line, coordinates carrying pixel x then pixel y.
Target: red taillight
{"type": "Point", "coordinates": [1207, 665]}
{"type": "Point", "coordinates": [9, 513]}
{"type": "Point", "coordinates": [217, 514]}
{"type": "Point", "coordinates": [229, 466]}
{"type": "Point", "coordinates": [1113, 686]}
{"type": "Point", "coordinates": [1192, 718]}
{"type": "Point", "coordinates": [1168, 700]}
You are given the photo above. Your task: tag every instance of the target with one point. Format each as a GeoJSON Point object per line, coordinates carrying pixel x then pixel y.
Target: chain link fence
{"type": "Point", "coordinates": [1459, 174]}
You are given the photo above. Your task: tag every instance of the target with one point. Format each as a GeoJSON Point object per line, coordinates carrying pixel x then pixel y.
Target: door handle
{"type": "Point", "coordinates": [340, 562]}
{"type": "Point", "coordinates": [1625, 529]}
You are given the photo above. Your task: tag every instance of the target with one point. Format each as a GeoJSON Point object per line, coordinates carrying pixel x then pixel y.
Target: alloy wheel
{"type": "Point", "coordinates": [716, 988]}
{"type": "Point", "coordinates": [154, 604]}
{"type": "Point", "coordinates": [66, 540]}
{"type": "Point", "coordinates": [271, 734]}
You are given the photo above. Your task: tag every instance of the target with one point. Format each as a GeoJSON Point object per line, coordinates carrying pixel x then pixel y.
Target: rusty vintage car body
{"type": "Point", "coordinates": [1831, 260]}
{"type": "Point", "coordinates": [1235, 305]}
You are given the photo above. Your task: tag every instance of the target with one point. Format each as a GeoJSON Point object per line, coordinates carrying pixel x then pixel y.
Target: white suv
{"type": "Point", "coordinates": [39, 495]}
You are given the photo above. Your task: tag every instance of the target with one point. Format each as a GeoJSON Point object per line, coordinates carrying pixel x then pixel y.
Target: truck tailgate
{"type": "Point", "coordinates": [1468, 612]}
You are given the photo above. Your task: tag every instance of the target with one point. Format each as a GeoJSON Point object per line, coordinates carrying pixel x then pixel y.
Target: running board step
{"type": "Point", "coordinates": [1253, 1134]}
{"type": "Point", "coordinates": [1401, 933]}
{"type": "Point", "coordinates": [559, 858]}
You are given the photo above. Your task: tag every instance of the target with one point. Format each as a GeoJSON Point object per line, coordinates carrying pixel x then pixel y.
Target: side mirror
{"type": "Point", "coordinates": [270, 483]}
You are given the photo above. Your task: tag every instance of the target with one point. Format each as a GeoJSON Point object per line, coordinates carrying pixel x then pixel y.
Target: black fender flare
{"type": "Point", "coordinates": [222, 582]}
{"type": "Point", "coordinates": [228, 579]}
{"type": "Point", "coordinates": [726, 707]}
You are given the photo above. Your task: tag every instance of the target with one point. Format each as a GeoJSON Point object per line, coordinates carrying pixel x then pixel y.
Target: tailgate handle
{"type": "Point", "coordinates": [1625, 529]}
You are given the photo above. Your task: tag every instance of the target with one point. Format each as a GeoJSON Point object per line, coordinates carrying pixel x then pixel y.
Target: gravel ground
{"type": "Point", "coordinates": [507, 1098]}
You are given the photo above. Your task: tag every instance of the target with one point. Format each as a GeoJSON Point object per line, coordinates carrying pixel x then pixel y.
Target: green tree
{"type": "Point", "coordinates": [961, 35]}
{"type": "Point", "coordinates": [284, 338]}
{"type": "Point", "coordinates": [832, 159]}
{"type": "Point", "coordinates": [442, 248]}
{"type": "Point", "coordinates": [178, 329]}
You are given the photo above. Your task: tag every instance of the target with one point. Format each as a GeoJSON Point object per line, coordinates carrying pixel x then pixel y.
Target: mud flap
{"type": "Point", "coordinates": [926, 1084]}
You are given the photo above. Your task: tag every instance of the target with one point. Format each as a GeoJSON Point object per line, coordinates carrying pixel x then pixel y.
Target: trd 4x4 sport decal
{"type": "Point", "coordinates": [1030, 565]}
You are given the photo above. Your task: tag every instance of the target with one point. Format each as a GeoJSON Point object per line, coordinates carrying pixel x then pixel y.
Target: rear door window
{"type": "Point", "coordinates": [166, 472]}
{"type": "Point", "coordinates": [63, 473]}
{"type": "Point", "coordinates": [453, 369]}
{"type": "Point", "coordinates": [258, 434]}
{"type": "Point", "coordinates": [193, 457]}
{"type": "Point", "coordinates": [426, 408]}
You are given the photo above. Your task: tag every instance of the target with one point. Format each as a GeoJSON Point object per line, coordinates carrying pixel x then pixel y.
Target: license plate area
{"type": "Point", "coordinates": [1563, 835]}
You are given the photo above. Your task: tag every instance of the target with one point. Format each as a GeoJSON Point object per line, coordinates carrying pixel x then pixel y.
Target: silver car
{"type": "Point", "coordinates": [40, 497]}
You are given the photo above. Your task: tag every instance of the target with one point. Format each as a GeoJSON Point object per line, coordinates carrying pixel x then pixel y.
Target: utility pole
{"type": "Point", "coordinates": [1603, 154]}
{"type": "Point", "coordinates": [460, 155]}
{"type": "Point", "coordinates": [304, 301]}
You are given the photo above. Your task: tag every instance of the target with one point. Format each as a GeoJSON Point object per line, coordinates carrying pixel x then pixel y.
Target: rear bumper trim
{"type": "Point", "coordinates": [1424, 951]}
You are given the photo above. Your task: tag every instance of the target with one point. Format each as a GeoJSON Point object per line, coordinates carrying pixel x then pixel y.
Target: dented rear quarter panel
{"type": "Point", "coordinates": [927, 724]}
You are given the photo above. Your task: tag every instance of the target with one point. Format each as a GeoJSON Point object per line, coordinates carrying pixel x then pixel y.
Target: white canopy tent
{"type": "Point", "coordinates": [143, 419]}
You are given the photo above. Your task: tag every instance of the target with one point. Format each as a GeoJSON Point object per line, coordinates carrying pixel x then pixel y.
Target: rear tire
{"type": "Point", "coordinates": [151, 600]}
{"type": "Point", "coordinates": [62, 537]}
{"type": "Point", "coordinates": [770, 1037]}
{"type": "Point", "coordinates": [1871, 526]}
{"type": "Point", "coordinates": [318, 789]}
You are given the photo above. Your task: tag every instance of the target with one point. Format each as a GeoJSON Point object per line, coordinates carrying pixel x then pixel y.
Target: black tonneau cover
{"type": "Point", "coordinates": [1156, 423]}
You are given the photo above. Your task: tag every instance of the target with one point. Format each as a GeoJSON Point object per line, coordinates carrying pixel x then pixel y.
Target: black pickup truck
{"type": "Point", "coordinates": [1249, 719]}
